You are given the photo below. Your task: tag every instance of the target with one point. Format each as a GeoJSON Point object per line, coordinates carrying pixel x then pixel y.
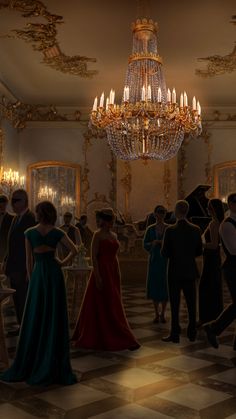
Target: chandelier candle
{"type": "Point", "coordinates": [149, 123]}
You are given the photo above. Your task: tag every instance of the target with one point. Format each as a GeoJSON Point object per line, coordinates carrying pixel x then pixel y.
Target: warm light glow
{"type": "Point", "coordinates": [11, 179]}
{"type": "Point", "coordinates": [47, 193]}
{"type": "Point", "coordinates": [149, 123]}
{"type": "Point", "coordinates": [67, 201]}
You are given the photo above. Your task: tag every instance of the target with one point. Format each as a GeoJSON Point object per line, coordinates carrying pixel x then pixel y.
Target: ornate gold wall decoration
{"type": "Point", "coordinates": [167, 183]}
{"type": "Point", "coordinates": [126, 182]}
{"type": "Point", "coordinates": [182, 166]}
{"type": "Point", "coordinates": [206, 135]}
{"type": "Point", "coordinates": [43, 38]}
{"type": "Point", "coordinates": [224, 179]}
{"type": "Point", "coordinates": [18, 113]}
{"type": "Point", "coordinates": [85, 185]}
{"type": "Point", "coordinates": [113, 172]}
{"type": "Point", "coordinates": [217, 64]}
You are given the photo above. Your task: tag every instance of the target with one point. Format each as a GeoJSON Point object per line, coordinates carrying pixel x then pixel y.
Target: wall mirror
{"type": "Point", "coordinates": [58, 182]}
{"type": "Point", "coordinates": [224, 179]}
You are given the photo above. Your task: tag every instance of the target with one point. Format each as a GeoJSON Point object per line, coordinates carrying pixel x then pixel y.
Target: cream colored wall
{"type": "Point", "coordinates": [223, 143]}
{"type": "Point", "coordinates": [147, 187]}
{"type": "Point", "coordinates": [64, 142]}
{"type": "Point", "coordinates": [10, 146]}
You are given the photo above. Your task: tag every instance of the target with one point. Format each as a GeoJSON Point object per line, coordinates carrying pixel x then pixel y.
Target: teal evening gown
{"type": "Point", "coordinates": [42, 356]}
{"type": "Point", "coordinates": [157, 267]}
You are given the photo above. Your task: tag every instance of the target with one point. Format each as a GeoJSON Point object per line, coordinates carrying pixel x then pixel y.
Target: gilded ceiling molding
{"type": "Point", "coordinates": [217, 64]}
{"type": "Point", "coordinates": [18, 113]}
{"type": "Point", "coordinates": [126, 182]}
{"type": "Point", "coordinates": [167, 183]}
{"type": "Point", "coordinates": [43, 38]}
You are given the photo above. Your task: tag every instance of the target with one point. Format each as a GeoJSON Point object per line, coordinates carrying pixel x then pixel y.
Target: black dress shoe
{"type": "Point", "coordinates": [211, 336]}
{"type": "Point", "coordinates": [170, 338]}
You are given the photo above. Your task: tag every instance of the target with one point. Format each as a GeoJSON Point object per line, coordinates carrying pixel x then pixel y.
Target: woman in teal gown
{"type": "Point", "coordinates": [42, 356]}
{"type": "Point", "coordinates": [157, 265]}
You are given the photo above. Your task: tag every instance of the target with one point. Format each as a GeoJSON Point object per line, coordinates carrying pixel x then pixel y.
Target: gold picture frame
{"type": "Point", "coordinates": [62, 177]}
{"type": "Point", "coordinates": [224, 179]}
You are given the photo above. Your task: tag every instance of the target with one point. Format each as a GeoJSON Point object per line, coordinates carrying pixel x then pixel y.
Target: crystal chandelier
{"type": "Point", "coordinates": [149, 123]}
{"type": "Point", "coordinates": [47, 193]}
{"type": "Point", "coordinates": [10, 180]}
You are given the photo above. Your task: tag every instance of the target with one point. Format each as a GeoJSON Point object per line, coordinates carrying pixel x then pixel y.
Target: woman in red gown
{"type": "Point", "coordinates": [102, 324]}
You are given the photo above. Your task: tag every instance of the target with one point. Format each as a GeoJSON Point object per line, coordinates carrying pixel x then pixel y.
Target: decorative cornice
{"type": "Point", "coordinates": [43, 37]}
{"type": "Point", "coordinates": [18, 113]}
{"type": "Point", "coordinates": [217, 64]}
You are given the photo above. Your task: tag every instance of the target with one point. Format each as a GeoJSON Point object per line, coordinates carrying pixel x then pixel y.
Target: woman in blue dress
{"type": "Point", "coordinates": [42, 356]}
{"type": "Point", "coordinates": [157, 265]}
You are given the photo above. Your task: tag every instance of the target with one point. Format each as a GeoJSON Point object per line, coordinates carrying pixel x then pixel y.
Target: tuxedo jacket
{"type": "Point", "coordinates": [182, 243]}
{"type": "Point", "coordinates": [4, 230]}
{"type": "Point", "coordinates": [16, 255]}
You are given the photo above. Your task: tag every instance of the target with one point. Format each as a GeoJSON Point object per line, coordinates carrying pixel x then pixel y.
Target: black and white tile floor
{"type": "Point", "coordinates": [159, 381]}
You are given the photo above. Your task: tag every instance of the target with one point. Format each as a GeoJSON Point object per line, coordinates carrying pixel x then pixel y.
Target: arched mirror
{"type": "Point", "coordinates": [56, 181]}
{"type": "Point", "coordinates": [224, 179]}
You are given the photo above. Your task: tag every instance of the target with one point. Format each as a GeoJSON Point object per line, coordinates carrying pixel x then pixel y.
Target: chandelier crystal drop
{"type": "Point", "coordinates": [149, 123]}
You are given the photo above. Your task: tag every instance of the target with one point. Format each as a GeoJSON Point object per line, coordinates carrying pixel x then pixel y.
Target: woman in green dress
{"type": "Point", "coordinates": [157, 265]}
{"type": "Point", "coordinates": [42, 356]}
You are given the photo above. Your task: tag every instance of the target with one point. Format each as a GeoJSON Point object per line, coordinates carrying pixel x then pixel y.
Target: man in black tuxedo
{"type": "Point", "coordinates": [181, 245]}
{"type": "Point", "coordinates": [15, 262]}
{"type": "Point", "coordinates": [5, 224]}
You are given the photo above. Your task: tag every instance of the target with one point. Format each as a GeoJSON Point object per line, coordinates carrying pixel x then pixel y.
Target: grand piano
{"type": "Point", "coordinates": [198, 202]}
{"type": "Point", "coordinates": [197, 209]}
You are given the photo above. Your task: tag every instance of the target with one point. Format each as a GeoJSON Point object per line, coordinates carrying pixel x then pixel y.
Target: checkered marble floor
{"type": "Point", "coordinates": [159, 381]}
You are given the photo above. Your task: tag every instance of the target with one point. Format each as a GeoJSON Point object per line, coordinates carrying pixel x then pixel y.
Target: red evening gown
{"type": "Point", "coordinates": [102, 324]}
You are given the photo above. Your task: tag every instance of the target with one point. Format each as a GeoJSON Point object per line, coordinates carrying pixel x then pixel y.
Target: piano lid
{"type": "Point", "coordinates": [198, 201]}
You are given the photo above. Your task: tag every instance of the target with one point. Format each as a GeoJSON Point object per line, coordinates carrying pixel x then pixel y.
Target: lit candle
{"type": "Point", "coordinates": [194, 103]}
{"type": "Point", "coordinates": [110, 99]}
{"type": "Point", "coordinates": [127, 93]}
{"type": "Point", "coordinates": [113, 97]}
{"type": "Point", "coordinates": [181, 100]}
{"type": "Point", "coordinates": [149, 92]}
{"type": "Point", "coordinates": [102, 100]}
{"type": "Point", "coordinates": [107, 102]}
{"type": "Point", "coordinates": [144, 147]}
{"type": "Point", "coordinates": [159, 94]}
{"type": "Point", "coordinates": [185, 99]}
{"type": "Point", "coordinates": [95, 104]}
{"type": "Point", "coordinates": [143, 94]}
{"type": "Point", "coordinates": [174, 96]}
{"type": "Point", "coordinates": [168, 96]}
{"type": "Point", "coordinates": [198, 108]}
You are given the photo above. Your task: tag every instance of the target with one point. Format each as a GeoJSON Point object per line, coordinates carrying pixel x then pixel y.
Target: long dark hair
{"type": "Point", "coordinates": [218, 208]}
